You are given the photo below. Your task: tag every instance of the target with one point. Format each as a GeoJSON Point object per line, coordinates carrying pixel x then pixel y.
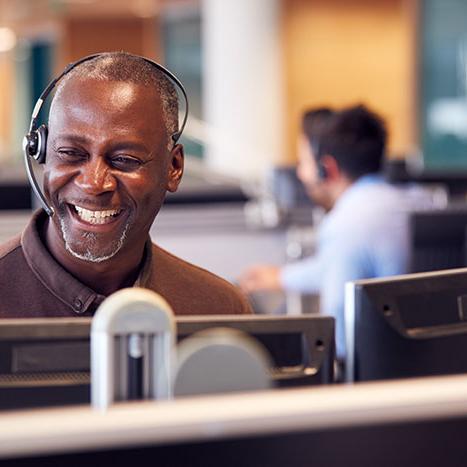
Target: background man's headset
{"type": "Point", "coordinates": [316, 148]}
{"type": "Point", "coordinates": [35, 141]}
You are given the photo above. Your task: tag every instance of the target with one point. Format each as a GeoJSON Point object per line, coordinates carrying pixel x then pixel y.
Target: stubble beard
{"type": "Point", "coordinates": [89, 242]}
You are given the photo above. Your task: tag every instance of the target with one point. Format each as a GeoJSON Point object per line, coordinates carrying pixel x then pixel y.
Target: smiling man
{"type": "Point", "coordinates": [110, 160]}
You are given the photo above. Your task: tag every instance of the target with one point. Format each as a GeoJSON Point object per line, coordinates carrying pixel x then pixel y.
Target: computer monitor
{"type": "Point", "coordinates": [46, 361]}
{"type": "Point", "coordinates": [405, 326]}
{"type": "Point", "coordinates": [438, 239]}
{"type": "Point", "coordinates": [288, 191]}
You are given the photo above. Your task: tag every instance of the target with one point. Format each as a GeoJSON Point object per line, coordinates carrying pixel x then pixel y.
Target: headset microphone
{"type": "Point", "coordinates": [316, 150]}
{"type": "Point", "coordinates": [35, 141]}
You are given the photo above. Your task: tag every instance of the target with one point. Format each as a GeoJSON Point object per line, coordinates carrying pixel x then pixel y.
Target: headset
{"type": "Point", "coordinates": [322, 170]}
{"type": "Point", "coordinates": [35, 141]}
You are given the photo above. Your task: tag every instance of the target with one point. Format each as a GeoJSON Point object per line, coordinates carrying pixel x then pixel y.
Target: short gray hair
{"type": "Point", "coordinates": [122, 66]}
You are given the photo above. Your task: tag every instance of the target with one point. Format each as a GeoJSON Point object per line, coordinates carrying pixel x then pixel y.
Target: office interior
{"type": "Point", "coordinates": [251, 68]}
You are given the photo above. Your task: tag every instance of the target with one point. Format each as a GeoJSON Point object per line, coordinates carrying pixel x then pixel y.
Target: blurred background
{"type": "Point", "coordinates": [251, 67]}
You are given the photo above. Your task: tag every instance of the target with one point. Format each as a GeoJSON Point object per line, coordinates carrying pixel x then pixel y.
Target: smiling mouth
{"type": "Point", "coordinates": [96, 217]}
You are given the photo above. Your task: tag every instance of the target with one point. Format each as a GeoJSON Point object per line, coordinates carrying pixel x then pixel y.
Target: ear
{"type": "Point", "coordinates": [176, 165]}
{"type": "Point", "coordinates": [333, 170]}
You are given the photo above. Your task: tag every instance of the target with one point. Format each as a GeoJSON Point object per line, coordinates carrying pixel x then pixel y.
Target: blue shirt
{"type": "Point", "coordinates": [365, 235]}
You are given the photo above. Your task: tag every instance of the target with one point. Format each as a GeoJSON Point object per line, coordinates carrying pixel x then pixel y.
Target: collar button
{"type": "Point", "coordinates": [78, 305]}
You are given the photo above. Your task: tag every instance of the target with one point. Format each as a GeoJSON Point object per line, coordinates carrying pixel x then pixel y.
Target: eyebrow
{"type": "Point", "coordinates": [73, 138]}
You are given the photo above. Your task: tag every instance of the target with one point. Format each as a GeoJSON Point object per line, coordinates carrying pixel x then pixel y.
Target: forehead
{"type": "Point", "coordinates": [110, 102]}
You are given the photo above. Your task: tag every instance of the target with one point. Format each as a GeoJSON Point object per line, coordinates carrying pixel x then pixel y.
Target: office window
{"type": "Point", "coordinates": [443, 73]}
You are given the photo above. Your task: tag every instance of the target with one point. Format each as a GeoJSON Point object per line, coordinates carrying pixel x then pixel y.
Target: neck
{"type": "Point", "coordinates": [339, 188]}
{"type": "Point", "coordinates": [104, 278]}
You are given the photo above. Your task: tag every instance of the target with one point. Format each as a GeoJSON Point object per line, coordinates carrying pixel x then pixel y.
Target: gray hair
{"type": "Point", "coordinates": [122, 66]}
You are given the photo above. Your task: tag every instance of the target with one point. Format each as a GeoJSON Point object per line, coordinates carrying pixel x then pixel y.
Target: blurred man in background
{"type": "Point", "coordinates": [365, 231]}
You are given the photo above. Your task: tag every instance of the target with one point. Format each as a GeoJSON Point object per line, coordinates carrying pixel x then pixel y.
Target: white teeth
{"type": "Point", "coordinates": [96, 217]}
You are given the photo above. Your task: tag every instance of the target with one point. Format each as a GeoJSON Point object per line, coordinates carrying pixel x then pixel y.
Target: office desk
{"type": "Point", "coordinates": [416, 422]}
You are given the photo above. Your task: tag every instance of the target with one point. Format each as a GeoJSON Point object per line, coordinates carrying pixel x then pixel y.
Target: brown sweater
{"type": "Point", "coordinates": [33, 284]}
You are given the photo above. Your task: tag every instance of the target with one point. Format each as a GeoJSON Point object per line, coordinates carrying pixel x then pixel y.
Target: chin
{"type": "Point", "coordinates": [90, 256]}
{"type": "Point", "coordinates": [90, 246]}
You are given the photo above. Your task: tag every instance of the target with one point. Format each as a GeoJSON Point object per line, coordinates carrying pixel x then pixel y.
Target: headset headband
{"type": "Point", "coordinates": [37, 108]}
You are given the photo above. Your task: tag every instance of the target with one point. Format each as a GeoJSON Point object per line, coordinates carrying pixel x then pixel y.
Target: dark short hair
{"type": "Point", "coordinates": [356, 138]}
{"type": "Point", "coordinates": [313, 124]}
{"type": "Point", "coordinates": [122, 66]}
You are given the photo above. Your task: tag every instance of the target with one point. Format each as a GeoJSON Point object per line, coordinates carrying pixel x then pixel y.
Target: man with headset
{"type": "Point", "coordinates": [365, 232]}
{"type": "Point", "coordinates": [111, 154]}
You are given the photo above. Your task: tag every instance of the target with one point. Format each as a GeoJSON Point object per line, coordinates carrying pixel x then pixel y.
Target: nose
{"type": "Point", "coordinates": [95, 177]}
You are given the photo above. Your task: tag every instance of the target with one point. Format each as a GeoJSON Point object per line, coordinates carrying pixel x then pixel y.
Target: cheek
{"type": "Point", "coordinates": [51, 181]}
{"type": "Point", "coordinates": [313, 172]}
{"type": "Point", "coordinates": [55, 179]}
{"type": "Point", "coordinates": [149, 195]}
{"type": "Point", "coordinates": [307, 173]}
{"type": "Point", "coordinates": [147, 207]}
{"type": "Point", "coordinates": [144, 186]}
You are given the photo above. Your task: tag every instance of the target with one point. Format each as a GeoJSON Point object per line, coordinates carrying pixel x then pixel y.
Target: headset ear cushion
{"type": "Point", "coordinates": [41, 149]}
{"type": "Point", "coordinates": [35, 144]}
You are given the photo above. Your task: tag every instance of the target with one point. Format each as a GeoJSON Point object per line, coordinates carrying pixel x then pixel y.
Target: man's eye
{"type": "Point", "coordinates": [70, 154]}
{"type": "Point", "coordinates": [126, 162]}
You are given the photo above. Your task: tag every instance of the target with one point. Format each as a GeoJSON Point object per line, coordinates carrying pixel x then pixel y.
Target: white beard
{"type": "Point", "coordinates": [88, 242]}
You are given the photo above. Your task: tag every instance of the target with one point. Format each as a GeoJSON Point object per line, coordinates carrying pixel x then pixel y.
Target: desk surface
{"type": "Point", "coordinates": [77, 429]}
